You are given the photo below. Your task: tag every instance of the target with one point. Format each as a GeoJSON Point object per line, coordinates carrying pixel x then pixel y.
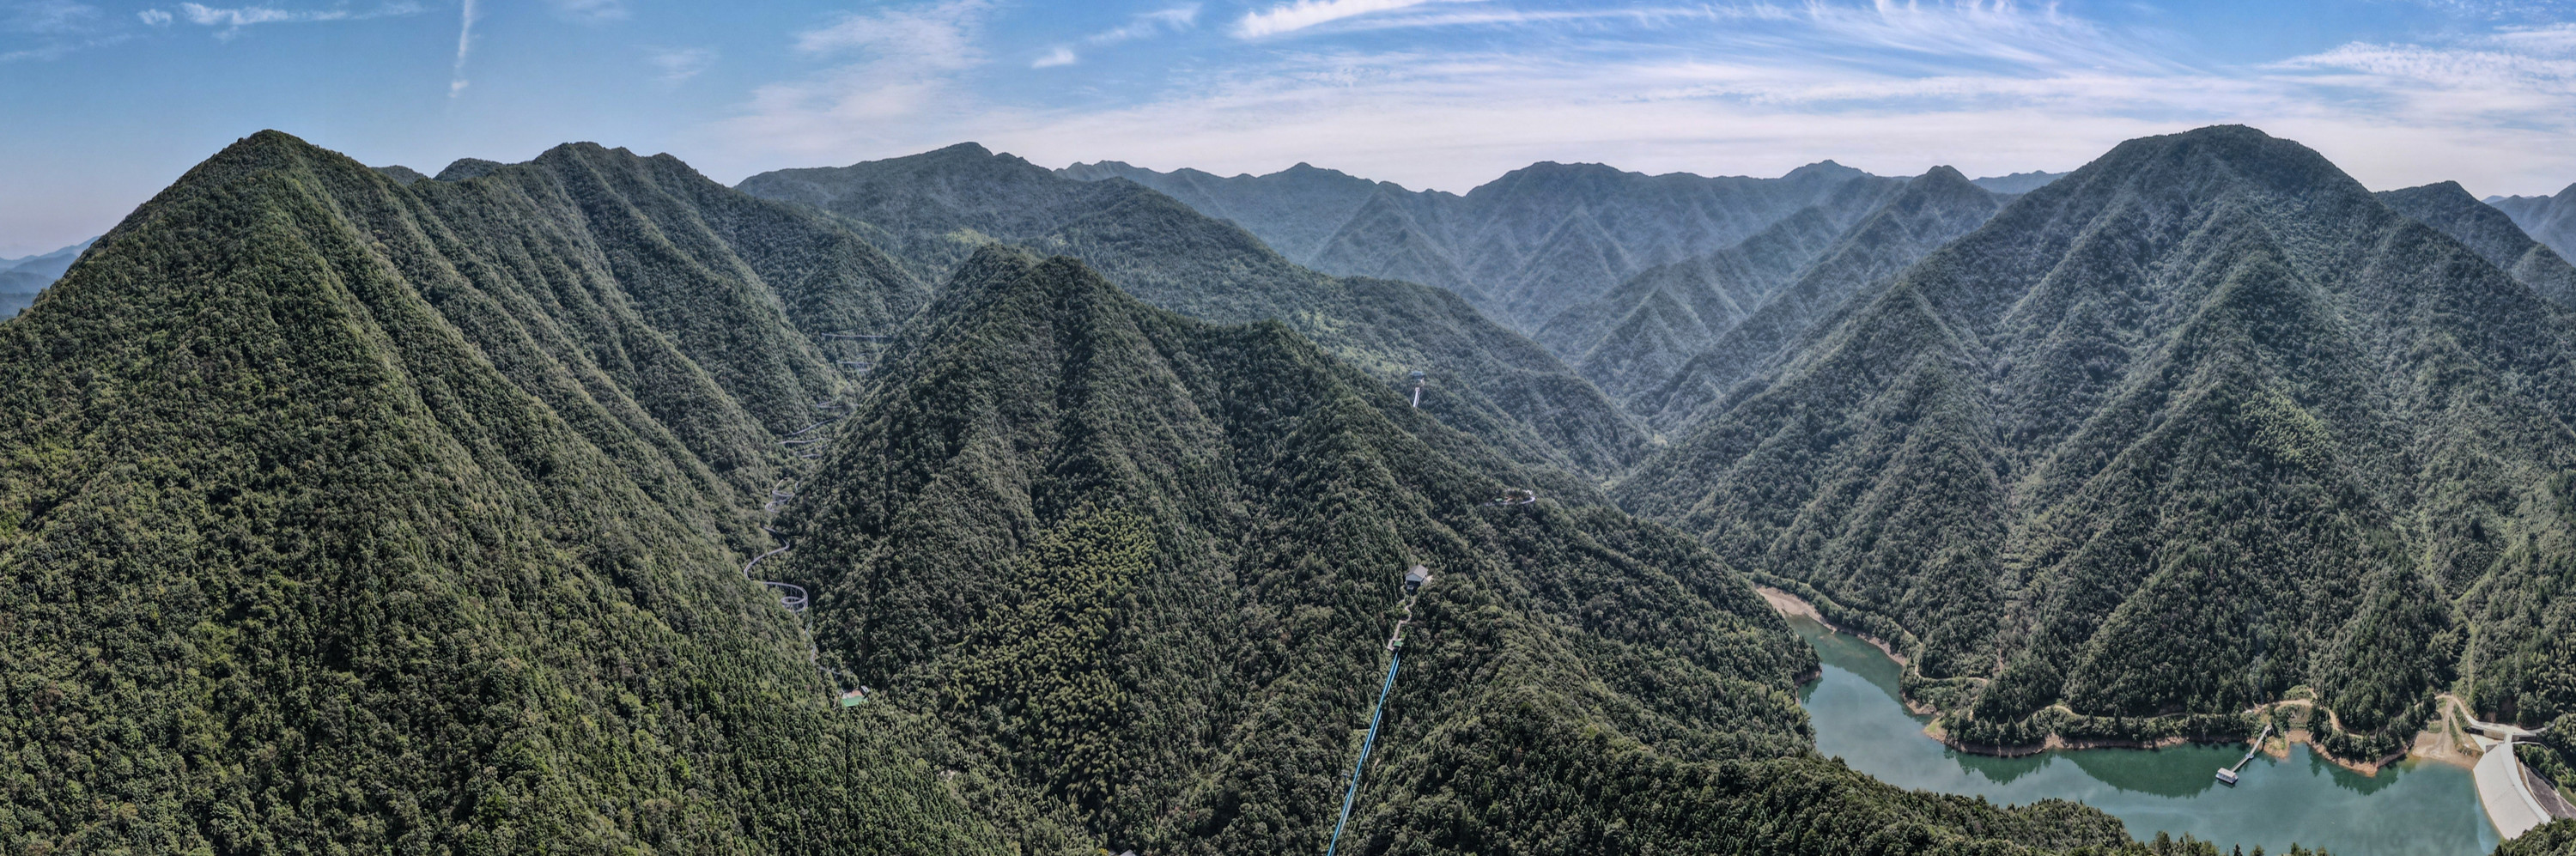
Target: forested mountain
{"type": "Point", "coordinates": [338, 515]}
{"type": "Point", "coordinates": [1672, 320]}
{"type": "Point", "coordinates": [2548, 219]}
{"type": "Point", "coordinates": [934, 210]}
{"type": "Point", "coordinates": [22, 279]}
{"type": "Point", "coordinates": [1147, 564]}
{"type": "Point", "coordinates": [347, 510]}
{"type": "Point", "coordinates": [2448, 207]}
{"type": "Point", "coordinates": [2197, 425]}
{"type": "Point", "coordinates": [344, 513]}
{"type": "Point", "coordinates": [1637, 333]}
{"type": "Point", "coordinates": [1524, 247]}
{"type": "Point", "coordinates": [1933, 209]}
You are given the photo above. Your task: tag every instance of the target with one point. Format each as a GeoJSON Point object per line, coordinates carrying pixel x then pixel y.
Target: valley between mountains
{"type": "Point", "coordinates": [348, 509]}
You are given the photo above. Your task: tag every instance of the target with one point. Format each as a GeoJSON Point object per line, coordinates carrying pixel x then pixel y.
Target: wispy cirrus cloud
{"type": "Point", "coordinates": [49, 17]}
{"type": "Point", "coordinates": [466, 16]}
{"type": "Point", "coordinates": [1147, 25]}
{"type": "Point", "coordinates": [590, 11]}
{"type": "Point", "coordinates": [679, 64]}
{"type": "Point", "coordinates": [1302, 14]}
{"type": "Point", "coordinates": [54, 29]}
{"type": "Point", "coordinates": [229, 21]}
{"type": "Point", "coordinates": [899, 63]}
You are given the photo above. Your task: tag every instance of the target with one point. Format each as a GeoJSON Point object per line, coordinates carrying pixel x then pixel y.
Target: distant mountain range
{"type": "Point", "coordinates": [2549, 219]}
{"type": "Point", "coordinates": [21, 279]}
{"type": "Point", "coordinates": [2019, 182]}
{"type": "Point", "coordinates": [1627, 277]}
{"type": "Point", "coordinates": [2491, 233]}
{"type": "Point", "coordinates": [1522, 248]}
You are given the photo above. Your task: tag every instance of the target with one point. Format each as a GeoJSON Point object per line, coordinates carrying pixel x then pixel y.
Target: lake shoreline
{"type": "Point", "coordinates": [2426, 745]}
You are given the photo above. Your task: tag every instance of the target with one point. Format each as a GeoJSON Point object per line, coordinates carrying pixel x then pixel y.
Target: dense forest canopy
{"type": "Point", "coordinates": [342, 516]}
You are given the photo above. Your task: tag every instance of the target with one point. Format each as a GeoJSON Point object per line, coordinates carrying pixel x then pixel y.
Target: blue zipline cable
{"type": "Point", "coordinates": [1393, 657]}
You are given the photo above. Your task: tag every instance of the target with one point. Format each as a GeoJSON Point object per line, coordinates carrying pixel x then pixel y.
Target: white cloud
{"type": "Point", "coordinates": [937, 34]}
{"type": "Point", "coordinates": [678, 64]}
{"type": "Point", "coordinates": [456, 81]}
{"type": "Point", "coordinates": [1150, 24]}
{"type": "Point", "coordinates": [1290, 17]}
{"type": "Point", "coordinates": [590, 11]}
{"type": "Point", "coordinates": [232, 20]}
{"type": "Point", "coordinates": [248, 15]}
{"type": "Point", "coordinates": [49, 17]}
{"type": "Point", "coordinates": [903, 73]}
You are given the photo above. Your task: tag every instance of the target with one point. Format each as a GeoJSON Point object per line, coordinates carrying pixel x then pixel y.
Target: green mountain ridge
{"type": "Point", "coordinates": [936, 209]}
{"type": "Point", "coordinates": [2201, 423]}
{"type": "Point", "coordinates": [1930, 211]}
{"type": "Point", "coordinates": [1786, 275]}
{"type": "Point", "coordinates": [1631, 335]}
{"type": "Point", "coordinates": [337, 515]}
{"type": "Point", "coordinates": [1148, 563]}
{"type": "Point", "coordinates": [1523, 248]}
{"type": "Point", "coordinates": [2549, 219]}
{"type": "Point", "coordinates": [2449, 208]}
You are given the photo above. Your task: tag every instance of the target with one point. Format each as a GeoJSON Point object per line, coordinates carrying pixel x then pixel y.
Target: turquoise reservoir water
{"type": "Point", "coordinates": [2411, 809]}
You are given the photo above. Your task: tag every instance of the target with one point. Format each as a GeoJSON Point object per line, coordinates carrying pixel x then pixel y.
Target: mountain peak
{"type": "Point", "coordinates": [468, 169]}
{"type": "Point", "coordinates": [1824, 169]}
{"type": "Point", "coordinates": [2213, 159]}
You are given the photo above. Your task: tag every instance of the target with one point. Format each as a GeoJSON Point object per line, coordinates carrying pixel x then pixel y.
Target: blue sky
{"type": "Point", "coordinates": [103, 103]}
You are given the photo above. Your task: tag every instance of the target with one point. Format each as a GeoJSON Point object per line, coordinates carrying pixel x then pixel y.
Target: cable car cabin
{"type": "Point", "coordinates": [854, 697]}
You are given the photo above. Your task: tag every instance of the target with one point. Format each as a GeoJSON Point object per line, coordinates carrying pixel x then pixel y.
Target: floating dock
{"type": "Point", "coordinates": [2227, 775]}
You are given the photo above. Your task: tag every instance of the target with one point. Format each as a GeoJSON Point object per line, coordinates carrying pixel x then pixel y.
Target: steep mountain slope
{"type": "Point", "coordinates": [334, 518]}
{"type": "Point", "coordinates": [936, 209]}
{"type": "Point", "coordinates": [2198, 424]}
{"type": "Point", "coordinates": [2449, 208]}
{"type": "Point", "coordinates": [1930, 211]}
{"type": "Point", "coordinates": [2548, 219]}
{"type": "Point", "coordinates": [1524, 247]}
{"type": "Point", "coordinates": [1150, 563]}
{"type": "Point", "coordinates": [1667, 318]}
